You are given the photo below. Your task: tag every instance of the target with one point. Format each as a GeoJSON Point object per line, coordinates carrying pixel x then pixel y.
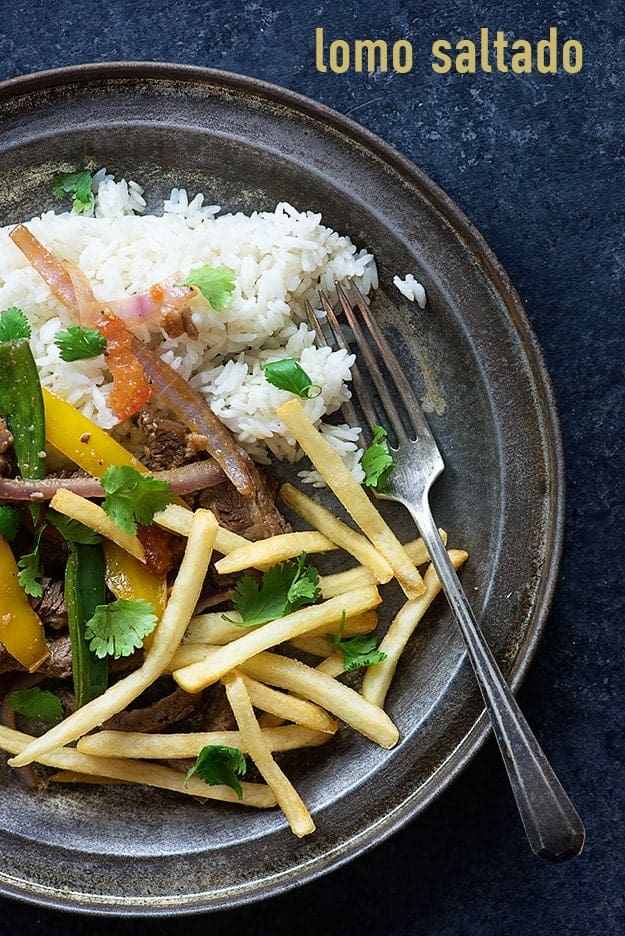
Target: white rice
{"type": "Point", "coordinates": [411, 288]}
{"type": "Point", "coordinates": [280, 258]}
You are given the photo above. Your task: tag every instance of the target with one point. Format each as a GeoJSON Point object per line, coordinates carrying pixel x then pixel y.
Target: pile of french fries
{"type": "Point", "coordinates": [301, 705]}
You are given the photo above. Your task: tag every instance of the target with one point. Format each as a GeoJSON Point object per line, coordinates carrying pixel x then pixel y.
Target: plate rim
{"type": "Point", "coordinates": [475, 738]}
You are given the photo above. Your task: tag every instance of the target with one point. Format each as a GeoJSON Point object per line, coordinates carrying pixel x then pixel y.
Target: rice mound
{"type": "Point", "coordinates": [280, 258]}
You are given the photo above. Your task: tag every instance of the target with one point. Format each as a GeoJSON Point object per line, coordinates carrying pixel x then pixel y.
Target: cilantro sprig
{"type": "Point", "coordinates": [377, 461]}
{"type": "Point", "coordinates": [357, 652]}
{"type": "Point", "coordinates": [77, 343]}
{"type": "Point", "coordinates": [13, 325]}
{"type": "Point", "coordinates": [10, 519]}
{"type": "Point", "coordinates": [283, 588]}
{"type": "Point", "coordinates": [76, 184]}
{"type": "Point", "coordinates": [216, 283]}
{"type": "Point", "coordinates": [30, 570]}
{"type": "Point", "coordinates": [288, 374]}
{"type": "Point", "coordinates": [218, 764]}
{"type": "Point", "coordinates": [132, 497]}
{"type": "Point", "coordinates": [37, 703]}
{"type": "Point", "coordinates": [119, 628]}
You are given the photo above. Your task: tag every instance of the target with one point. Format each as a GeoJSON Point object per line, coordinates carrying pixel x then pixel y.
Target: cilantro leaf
{"type": "Point", "coordinates": [118, 629]}
{"type": "Point", "coordinates": [30, 568]}
{"type": "Point", "coordinates": [72, 530]}
{"type": "Point", "coordinates": [133, 497]}
{"type": "Point", "coordinates": [38, 703]}
{"type": "Point", "coordinates": [76, 184]}
{"type": "Point", "coordinates": [288, 374]}
{"type": "Point", "coordinates": [217, 764]}
{"type": "Point", "coordinates": [360, 651]}
{"type": "Point", "coordinates": [283, 588]}
{"type": "Point", "coordinates": [377, 462]}
{"type": "Point", "coordinates": [13, 325]}
{"type": "Point", "coordinates": [78, 343]}
{"type": "Point", "coordinates": [215, 283]}
{"type": "Point", "coordinates": [10, 519]}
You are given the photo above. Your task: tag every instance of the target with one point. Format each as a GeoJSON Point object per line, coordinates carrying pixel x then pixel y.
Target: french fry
{"type": "Point", "coordinates": [267, 552]}
{"type": "Point", "coordinates": [173, 623]}
{"type": "Point", "coordinates": [212, 628]}
{"type": "Point", "coordinates": [314, 646]}
{"type": "Point", "coordinates": [338, 477]}
{"type": "Point", "coordinates": [287, 796]}
{"type": "Point", "coordinates": [92, 515]}
{"type": "Point", "coordinates": [129, 771]}
{"type": "Point", "coordinates": [359, 576]}
{"type": "Point", "coordinates": [195, 677]}
{"type": "Point", "coordinates": [356, 624]}
{"type": "Point", "coordinates": [370, 720]}
{"type": "Point", "coordinates": [188, 654]}
{"type": "Point", "coordinates": [352, 542]}
{"type": "Point", "coordinates": [333, 665]}
{"type": "Point", "coordinates": [177, 519]}
{"type": "Point", "coordinates": [378, 678]}
{"type": "Point", "coordinates": [137, 745]}
{"type": "Point", "coordinates": [288, 707]}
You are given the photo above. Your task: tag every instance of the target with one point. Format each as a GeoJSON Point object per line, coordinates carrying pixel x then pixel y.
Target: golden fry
{"type": "Point", "coordinates": [359, 576]}
{"type": "Point", "coordinates": [136, 744]}
{"type": "Point", "coordinates": [333, 696]}
{"type": "Point", "coordinates": [351, 494]}
{"type": "Point", "coordinates": [337, 531]}
{"type": "Point", "coordinates": [267, 552]}
{"type": "Point", "coordinates": [288, 707]}
{"type": "Point", "coordinates": [92, 515]}
{"type": "Point", "coordinates": [378, 678]}
{"type": "Point", "coordinates": [287, 796]}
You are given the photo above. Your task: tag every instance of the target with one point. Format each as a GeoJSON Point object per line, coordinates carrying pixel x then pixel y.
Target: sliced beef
{"type": "Point", "coordinates": [58, 664]}
{"type": "Point", "coordinates": [51, 607]}
{"type": "Point", "coordinates": [175, 707]}
{"type": "Point", "coordinates": [167, 444]}
{"type": "Point", "coordinates": [255, 517]}
{"type": "Point", "coordinates": [216, 712]}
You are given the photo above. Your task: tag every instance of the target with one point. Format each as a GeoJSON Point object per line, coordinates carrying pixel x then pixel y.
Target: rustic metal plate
{"type": "Point", "coordinates": [471, 355]}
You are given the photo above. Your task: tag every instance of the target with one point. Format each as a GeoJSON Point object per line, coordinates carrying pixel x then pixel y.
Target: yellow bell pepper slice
{"type": "Point", "coordinates": [128, 578]}
{"type": "Point", "coordinates": [93, 450]}
{"type": "Point", "coordinates": [79, 439]}
{"type": "Point", "coordinates": [21, 630]}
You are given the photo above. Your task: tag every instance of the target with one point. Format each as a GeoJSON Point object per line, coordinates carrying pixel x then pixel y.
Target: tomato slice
{"type": "Point", "coordinates": [131, 390]}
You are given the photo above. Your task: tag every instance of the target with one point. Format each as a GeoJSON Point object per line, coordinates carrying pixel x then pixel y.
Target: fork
{"type": "Point", "coordinates": [552, 826]}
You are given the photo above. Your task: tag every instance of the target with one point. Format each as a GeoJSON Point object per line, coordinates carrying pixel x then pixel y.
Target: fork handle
{"type": "Point", "coordinates": [552, 825]}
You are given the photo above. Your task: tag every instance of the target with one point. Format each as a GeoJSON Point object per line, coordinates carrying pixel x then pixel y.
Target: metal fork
{"type": "Point", "coordinates": [553, 827]}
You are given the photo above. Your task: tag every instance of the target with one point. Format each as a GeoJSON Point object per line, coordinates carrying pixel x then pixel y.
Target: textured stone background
{"type": "Point", "coordinates": [536, 163]}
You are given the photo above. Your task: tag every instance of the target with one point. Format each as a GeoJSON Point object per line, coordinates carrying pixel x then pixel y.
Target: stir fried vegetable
{"type": "Point", "coordinates": [21, 402]}
{"type": "Point", "coordinates": [84, 591]}
{"type": "Point", "coordinates": [21, 631]}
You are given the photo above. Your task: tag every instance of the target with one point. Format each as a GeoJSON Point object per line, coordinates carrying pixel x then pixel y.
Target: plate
{"type": "Point", "coordinates": [473, 359]}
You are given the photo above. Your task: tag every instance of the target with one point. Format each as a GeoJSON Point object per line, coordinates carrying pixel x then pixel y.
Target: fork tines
{"type": "Point", "coordinates": [382, 384]}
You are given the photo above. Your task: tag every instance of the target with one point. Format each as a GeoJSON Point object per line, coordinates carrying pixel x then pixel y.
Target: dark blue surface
{"type": "Point", "coordinates": [536, 162]}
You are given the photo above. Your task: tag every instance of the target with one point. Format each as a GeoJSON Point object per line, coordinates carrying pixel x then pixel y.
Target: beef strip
{"type": "Point", "coordinates": [216, 712]}
{"type": "Point", "coordinates": [156, 717]}
{"type": "Point", "coordinates": [167, 443]}
{"type": "Point", "coordinates": [255, 517]}
{"type": "Point", "coordinates": [58, 664]}
{"type": "Point", "coordinates": [51, 607]}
